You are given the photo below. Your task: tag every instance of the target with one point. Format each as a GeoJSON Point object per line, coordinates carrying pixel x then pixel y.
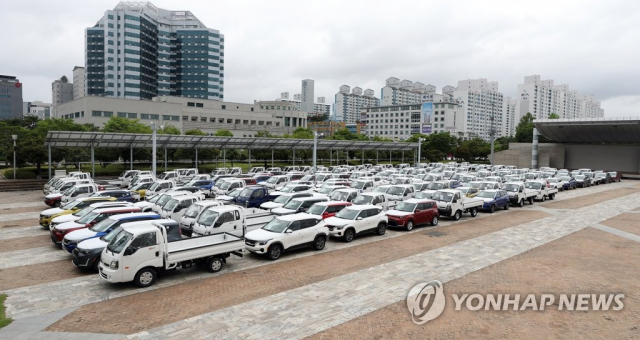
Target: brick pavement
{"type": "Point", "coordinates": [155, 308]}
{"type": "Point", "coordinates": [587, 200]}
{"type": "Point", "coordinates": [21, 198]}
{"type": "Point", "coordinates": [42, 273]}
{"type": "Point", "coordinates": [4, 211]}
{"type": "Point", "coordinates": [592, 262]}
{"type": "Point", "coordinates": [625, 222]}
{"type": "Point", "coordinates": [26, 257]}
{"type": "Point", "coordinates": [28, 229]}
{"type": "Point", "coordinates": [24, 243]}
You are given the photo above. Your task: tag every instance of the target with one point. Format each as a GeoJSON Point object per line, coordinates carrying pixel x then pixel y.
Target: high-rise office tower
{"type": "Point", "coordinates": [139, 51]}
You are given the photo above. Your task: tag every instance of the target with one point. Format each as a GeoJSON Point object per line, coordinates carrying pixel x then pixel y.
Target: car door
{"type": "Point", "coordinates": [143, 251]}
{"type": "Point", "coordinates": [308, 230]}
{"type": "Point", "coordinates": [295, 237]}
{"type": "Point", "coordinates": [225, 223]}
{"type": "Point", "coordinates": [360, 223]}
{"type": "Point", "coordinates": [371, 221]}
{"type": "Point", "coordinates": [420, 214]}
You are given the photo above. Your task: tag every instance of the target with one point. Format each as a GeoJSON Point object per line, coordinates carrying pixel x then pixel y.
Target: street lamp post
{"type": "Point", "coordinates": [315, 150]}
{"type": "Point", "coordinates": [153, 152]}
{"type": "Point", "coordinates": [15, 138]}
{"type": "Point", "coordinates": [419, 150]}
{"type": "Point", "coordinates": [492, 132]}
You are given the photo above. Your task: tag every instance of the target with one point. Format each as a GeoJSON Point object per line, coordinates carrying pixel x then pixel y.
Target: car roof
{"type": "Point", "coordinates": [362, 207]}
{"type": "Point", "coordinates": [97, 198]}
{"type": "Point", "coordinates": [418, 200]}
{"type": "Point", "coordinates": [111, 204]}
{"type": "Point", "coordinates": [115, 209]}
{"type": "Point", "coordinates": [333, 203]}
{"type": "Point", "coordinates": [310, 198]}
{"type": "Point", "coordinates": [296, 217]}
{"type": "Point", "coordinates": [133, 215]}
{"type": "Point", "coordinates": [184, 197]}
{"type": "Point", "coordinates": [347, 190]}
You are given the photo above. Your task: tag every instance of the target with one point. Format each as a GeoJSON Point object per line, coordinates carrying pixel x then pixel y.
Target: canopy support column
{"type": "Point", "coordinates": [377, 159]}
{"type": "Point", "coordinates": [249, 159]}
{"type": "Point", "coordinates": [196, 157]}
{"type": "Point", "coordinates": [294, 157]}
{"type": "Point", "coordinates": [272, 158]}
{"type": "Point", "coordinates": [402, 156]}
{"type": "Point", "coordinates": [93, 163]}
{"type": "Point", "coordinates": [224, 158]}
{"type": "Point", "coordinates": [49, 147]}
{"type": "Point", "coordinates": [165, 158]}
{"type": "Point", "coordinates": [362, 157]}
{"type": "Point", "coordinates": [131, 156]}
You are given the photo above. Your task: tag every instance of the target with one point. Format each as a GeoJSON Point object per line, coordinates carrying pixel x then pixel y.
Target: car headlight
{"type": "Point", "coordinates": [340, 228]}
{"type": "Point", "coordinates": [448, 206]}
{"type": "Point", "coordinates": [262, 243]}
{"type": "Point", "coordinates": [114, 264]}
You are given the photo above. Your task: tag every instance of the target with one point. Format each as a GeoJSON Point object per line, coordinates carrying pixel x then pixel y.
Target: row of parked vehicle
{"type": "Point", "coordinates": [129, 238]}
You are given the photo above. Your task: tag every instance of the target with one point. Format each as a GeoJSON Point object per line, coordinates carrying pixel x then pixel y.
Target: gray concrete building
{"type": "Point", "coordinates": [243, 120]}
{"type": "Point", "coordinates": [307, 96]}
{"type": "Point", "coordinates": [10, 97]}
{"type": "Point", "coordinates": [61, 92]}
{"type": "Point", "coordinates": [78, 82]}
{"type": "Point", "coordinates": [37, 108]}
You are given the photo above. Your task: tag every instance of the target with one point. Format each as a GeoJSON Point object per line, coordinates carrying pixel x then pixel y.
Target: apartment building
{"type": "Point", "coordinates": [349, 103]}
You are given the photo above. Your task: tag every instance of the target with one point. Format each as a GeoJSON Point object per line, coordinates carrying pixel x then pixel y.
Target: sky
{"type": "Point", "coordinates": [271, 45]}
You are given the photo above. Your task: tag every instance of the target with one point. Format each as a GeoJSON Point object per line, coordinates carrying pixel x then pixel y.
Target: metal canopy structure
{"type": "Point", "coordinates": [593, 130]}
{"type": "Point", "coordinates": [78, 139]}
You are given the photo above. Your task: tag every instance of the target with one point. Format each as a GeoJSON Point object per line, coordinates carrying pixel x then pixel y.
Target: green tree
{"type": "Point", "coordinates": [554, 116]}
{"type": "Point", "coordinates": [125, 125]}
{"type": "Point", "coordinates": [169, 130]}
{"type": "Point", "coordinates": [223, 133]}
{"type": "Point", "coordinates": [502, 143]}
{"type": "Point", "coordinates": [442, 142]}
{"type": "Point", "coordinates": [524, 130]}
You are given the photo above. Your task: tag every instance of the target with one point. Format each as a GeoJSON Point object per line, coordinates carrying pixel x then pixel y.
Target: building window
{"type": "Point", "coordinates": [269, 123]}
{"type": "Point", "coordinates": [166, 117]}
{"type": "Point", "coordinates": [261, 122]}
{"type": "Point", "coordinates": [107, 113]}
{"type": "Point", "coordinates": [185, 117]}
{"type": "Point", "coordinates": [96, 113]}
{"type": "Point", "coordinates": [246, 121]}
{"type": "Point", "coordinates": [237, 121]}
{"type": "Point", "coordinates": [199, 105]}
{"type": "Point", "coordinates": [220, 120]}
{"type": "Point", "coordinates": [154, 117]}
{"type": "Point", "coordinates": [252, 109]}
{"type": "Point", "coordinates": [253, 122]}
{"type": "Point", "coordinates": [191, 104]}
{"type": "Point", "coordinates": [194, 119]}
{"type": "Point", "coordinates": [144, 115]}
{"type": "Point", "coordinates": [203, 119]}
{"type": "Point", "coordinates": [224, 107]}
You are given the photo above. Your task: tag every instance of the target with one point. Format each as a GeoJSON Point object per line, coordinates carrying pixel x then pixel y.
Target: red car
{"type": "Point", "coordinates": [327, 209]}
{"type": "Point", "coordinates": [53, 200]}
{"type": "Point", "coordinates": [615, 176]}
{"type": "Point", "coordinates": [88, 220]}
{"type": "Point", "coordinates": [413, 212]}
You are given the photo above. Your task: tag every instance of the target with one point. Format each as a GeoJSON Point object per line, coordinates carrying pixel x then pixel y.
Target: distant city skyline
{"type": "Point", "coordinates": [361, 45]}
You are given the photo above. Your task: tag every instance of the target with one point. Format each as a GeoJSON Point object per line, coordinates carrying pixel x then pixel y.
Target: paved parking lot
{"type": "Point", "coordinates": [582, 241]}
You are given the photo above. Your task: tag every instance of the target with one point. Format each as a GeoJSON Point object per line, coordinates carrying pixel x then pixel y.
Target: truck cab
{"type": "Point", "coordinates": [372, 198]}
{"type": "Point", "coordinates": [169, 175]}
{"type": "Point", "coordinates": [451, 203]}
{"type": "Point", "coordinates": [344, 195]}
{"type": "Point", "coordinates": [192, 213]}
{"type": "Point", "coordinates": [228, 186]}
{"type": "Point", "coordinates": [78, 191]}
{"type": "Point", "coordinates": [230, 219]}
{"type": "Point", "coordinates": [160, 186]}
{"type": "Point", "coordinates": [276, 182]}
{"type": "Point", "coordinates": [253, 196]}
{"type": "Point", "coordinates": [255, 170]}
{"type": "Point", "coordinates": [176, 206]}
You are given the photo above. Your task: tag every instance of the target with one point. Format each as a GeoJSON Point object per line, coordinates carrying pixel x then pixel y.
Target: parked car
{"type": "Point", "coordinates": [582, 181]}
{"type": "Point", "coordinates": [494, 199]}
{"type": "Point", "coordinates": [63, 218]}
{"type": "Point", "coordinates": [253, 196]}
{"type": "Point", "coordinates": [230, 219]}
{"type": "Point", "coordinates": [119, 195]}
{"type": "Point", "coordinates": [176, 206]}
{"type": "Point", "coordinates": [413, 212]}
{"type": "Point", "coordinates": [78, 191]}
{"type": "Point", "coordinates": [568, 182]}
{"type": "Point", "coordinates": [191, 215]}
{"type": "Point", "coordinates": [615, 176]}
{"type": "Point", "coordinates": [543, 188]}
{"type": "Point", "coordinates": [327, 209]}
{"type": "Point", "coordinates": [283, 199]}
{"type": "Point", "coordinates": [141, 190]}
{"type": "Point", "coordinates": [603, 178]}
{"type": "Point", "coordinates": [60, 230]}
{"type": "Point", "coordinates": [230, 198]}
{"type": "Point", "coordinates": [74, 206]}
{"type": "Point", "coordinates": [518, 193]}
{"type": "Point", "coordinates": [468, 191]}
{"type": "Point", "coordinates": [555, 182]}
{"type": "Point", "coordinates": [451, 203]}
{"type": "Point", "coordinates": [345, 195]}
{"type": "Point", "coordinates": [357, 219]}
{"type": "Point", "coordinates": [297, 205]}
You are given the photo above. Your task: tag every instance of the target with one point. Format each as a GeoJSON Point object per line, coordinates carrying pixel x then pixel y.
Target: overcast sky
{"type": "Point", "coordinates": [270, 46]}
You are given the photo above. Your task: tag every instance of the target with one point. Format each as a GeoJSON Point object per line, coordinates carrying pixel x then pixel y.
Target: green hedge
{"type": "Point", "coordinates": [21, 174]}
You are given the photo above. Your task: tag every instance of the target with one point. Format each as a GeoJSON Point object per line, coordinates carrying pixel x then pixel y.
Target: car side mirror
{"type": "Point", "coordinates": [454, 201]}
{"type": "Point", "coordinates": [288, 231]}
{"type": "Point", "coordinates": [217, 224]}
{"type": "Point", "coordinates": [418, 210]}
{"type": "Point", "coordinates": [359, 219]}
{"type": "Point", "coordinates": [130, 251]}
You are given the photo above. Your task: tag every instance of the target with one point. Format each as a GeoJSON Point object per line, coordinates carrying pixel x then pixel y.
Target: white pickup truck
{"type": "Point", "coordinates": [542, 188]}
{"type": "Point", "coordinates": [139, 253]}
{"type": "Point", "coordinates": [518, 193]}
{"type": "Point", "coordinates": [230, 219]}
{"type": "Point", "coordinates": [451, 203]}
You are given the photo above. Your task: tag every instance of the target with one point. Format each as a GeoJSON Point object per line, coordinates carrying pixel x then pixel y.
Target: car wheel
{"type": "Point", "coordinates": [145, 277]}
{"type": "Point", "coordinates": [348, 235]}
{"type": "Point", "coordinates": [434, 221]}
{"type": "Point", "coordinates": [552, 196]}
{"type": "Point", "coordinates": [96, 263]}
{"type": "Point", "coordinates": [506, 206]}
{"type": "Point", "coordinates": [457, 215]}
{"type": "Point", "coordinates": [544, 198]}
{"type": "Point", "coordinates": [492, 209]}
{"type": "Point", "coordinates": [474, 212]}
{"type": "Point", "coordinates": [409, 226]}
{"type": "Point", "coordinates": [274, 252]}
{"type": "Point", "coordinates": [531, 200]}
{"type": "Point", "coordinates": [382, 228]}
{"type": "Point", "coordinates": [319, 242]}
{"type": "Point", "coordinates": [214, 264]}
{"type": "Point", "coordinates": [521, 203]}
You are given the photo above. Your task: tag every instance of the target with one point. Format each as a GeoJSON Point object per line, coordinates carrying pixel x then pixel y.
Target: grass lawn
{"type": "Point", "coordinates": [3, 317]}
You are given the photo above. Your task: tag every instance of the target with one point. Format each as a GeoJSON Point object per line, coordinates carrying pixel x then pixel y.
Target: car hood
{"type": "Point", "coordinates": [270, 205]}
{"type": "Point", "coordinates": [282, 211]}
{"type": "Point", "coordinates": [398, 213]}
{"type": "Point", "coordinates": [64, 219]}
{"type": "Point", "coordinates": [51, 212]}
{"type": "Point", "coordinates": [69, 225]}
{"type": "Point", "coordinates": [261, 235]}
{"type": "Point", "coordinates": [79, 235]}
{"type": "Point", "coordinates": [276, 193]}
{"type": "Point", "coordinates": [336, 221]}
{"type": "Point", "coordinates": [486, 199]}
{"type": "Point", "coordinates": [144, 204]}
{"type": "Point", "coordinates": [53, 196]}
{"type": "Point", "coordinates": [92, 243]}
{"type": "Point", "coordinates": [224, 198]}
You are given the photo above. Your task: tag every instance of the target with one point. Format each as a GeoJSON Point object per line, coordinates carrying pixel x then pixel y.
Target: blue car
{"type": "Point", "coordinates": [494, 199]}
{"type": "Point", "coordinates": [204, 184]}
{"type": "Point", "coordinates": [569, 183]}
{"type": "Point", "coordinates": [120, 195]}
{"type": "Point", "coordinates": [103, 227]}
{"type": "Point", "coordinates": [261, 178]}
{"type": "Point", "coordinates": [253, 196]}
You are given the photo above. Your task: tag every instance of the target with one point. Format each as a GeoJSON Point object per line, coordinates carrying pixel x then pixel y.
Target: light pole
{"type": "Point", "coordinates": [492, 132]}
{"type": "Point", "coordinates": [315, 150]}
{"type": "Point", "coordinates": [15, 138]}
{"type": "Point", "coordinates": [153, 152]}
{"type": "Point", "coordinates": [420, 139]}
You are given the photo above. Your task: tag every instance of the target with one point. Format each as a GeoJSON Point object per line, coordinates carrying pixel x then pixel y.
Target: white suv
{"type": "Point", "coordinates": [287, 232]}
{"type": "Point", "coordinates": [357, 219]}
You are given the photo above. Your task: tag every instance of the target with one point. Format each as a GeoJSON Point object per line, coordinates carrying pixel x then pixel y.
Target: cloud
{"type": "Point", "coordinates": [270, 46]}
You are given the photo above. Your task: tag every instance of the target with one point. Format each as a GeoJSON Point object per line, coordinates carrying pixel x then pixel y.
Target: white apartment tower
{"type": "Point", "coordinates": [541, 98]}
{"type": "Point", "coordinates": [510, 116]}
{"type": "Point", "coordinates": [404, 92]}
{"type": "Point", "coordinates": [348, 103]}
{"type": "Point", "coordinates": [61, 92]}
{"type": "Point", "coordinates": [78, 82]}
{"type": "Point", "coordinates": [483, 106]}
{"type": "Point", "coordinates": [306, 100]}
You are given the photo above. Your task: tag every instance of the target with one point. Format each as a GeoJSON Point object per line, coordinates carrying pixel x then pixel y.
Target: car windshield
{"type": "Point", "coordinates": [163, 200]}
{"type": "Point", "coordinates": [276, 226]}
{"type": "Point", "coordinates": [119, 242]}
{"type": "Point", "coordinates": [287, 189]}
{"type": "Point", "coordinates": [170, 205]}
{"type": "Point", "coordinates": [423, 195]}
{"type": "Point", "coordinates": [293, 205]}
{"type": "Point", "coordinates": [307, 178]}
{"type": "Point", "coordinates": [580, 177]}
{"type": "Point", "coordinates": [225, 185]}
{"type": "Point", "coordinates": [83, 212]}
{"type": "Point", "coordinates": [282, 199]}
{"type": "Point", "coordinates": [406, 207]}
{"type": "Point", "coordinates": [207, 217]}
{"type": "Point", "coordinates": [235, 192]}
{"type": "Point", "coordinates": [533, 185]}
{"type": "Point", "coordinates": [70, 205]}
{"type": "Point", "coordinates": [511, 187]}
{"type": "Point", "coordinates": [325, 190]}
{"type": "Point", "coordinates": [88, 217]}
{"type": "Point", "coordinates": [103, 225]}
{"type": "Point", "coordinates": [442, 196]}
{"type": "Point", "coordinates": [395, 191]}
{"type": "Point", "coordinates": [272, 180]}
{"type": "Point", "coordinates": [339, 196]}
{"type": "Point", "coordinates": [358, 185]}
{"type": "Point", "coordinates": [108, 237]}
{"type": "Point", "coordinates": [435, 186]}
{"type": "Point", "coordinates": [381, 189]}
{"type": "Point", "coordinates": [486, 194]}
{"type": "Point", "coordinates": [322, 178]}
{"type": "Point", "coordinates": [484, 186]}
{"type": "Point", "coordinates": [154, 186]}
{"type": "Point", "coordinates": [316, 209]}
{"type": "Point", "coordinates": [348, 214]}
{"type": "Point", "coordinates": [193, 211]}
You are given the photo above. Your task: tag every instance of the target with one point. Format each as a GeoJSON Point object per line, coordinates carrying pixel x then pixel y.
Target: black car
{"type": "Point", "coordinates": [603, 178]}
{"type": "Point", "coordinates": [583, 181]}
